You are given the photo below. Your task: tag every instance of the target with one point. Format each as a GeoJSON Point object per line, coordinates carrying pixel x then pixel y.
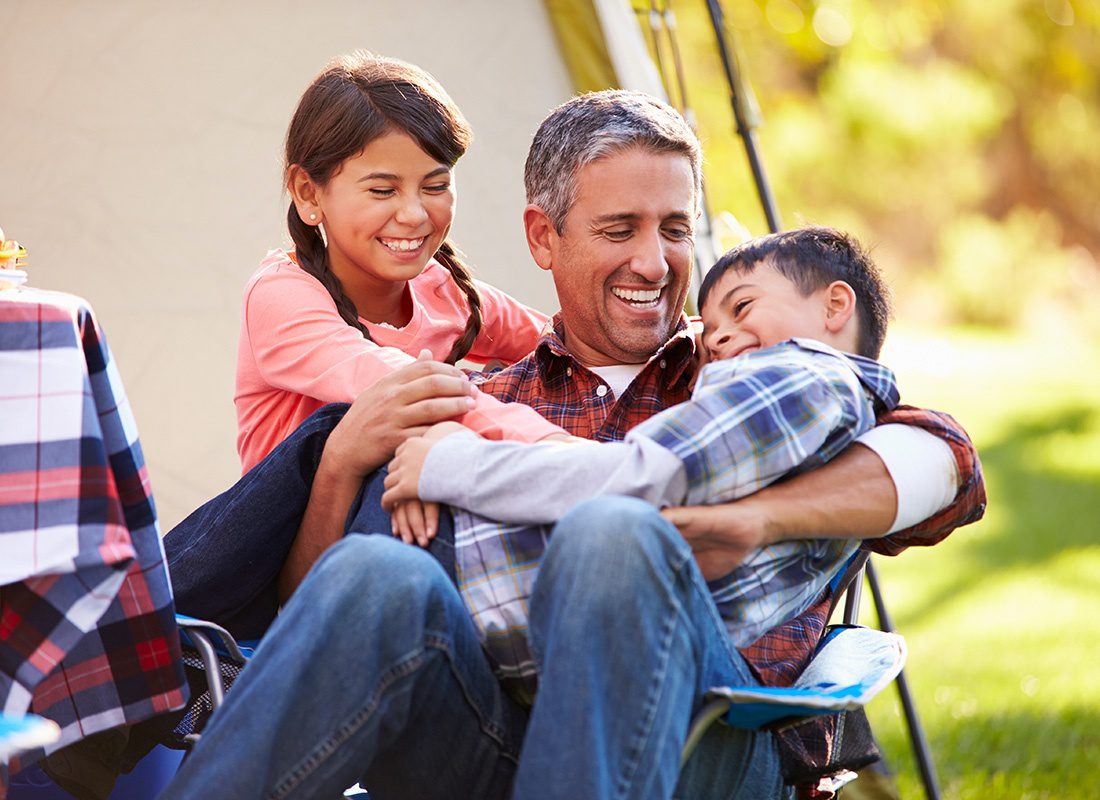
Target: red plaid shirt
{"type": "Point", "coordinates": [556, 385]}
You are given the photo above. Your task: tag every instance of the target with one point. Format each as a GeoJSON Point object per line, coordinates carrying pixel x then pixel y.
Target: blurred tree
{"type": "Point", "coordinates": [961, 138]}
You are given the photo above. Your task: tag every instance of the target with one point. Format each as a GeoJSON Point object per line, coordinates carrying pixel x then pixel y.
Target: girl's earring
{"type": "Point", "coordinates": [312, 217]}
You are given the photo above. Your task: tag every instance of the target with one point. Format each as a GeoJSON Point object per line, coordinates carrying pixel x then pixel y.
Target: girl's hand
{"type": "Point", "coordinates": [401, 405]}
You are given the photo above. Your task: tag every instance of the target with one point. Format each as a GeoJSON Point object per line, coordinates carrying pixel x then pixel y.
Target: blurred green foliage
{"type": "Point", "coordinates": [958, 138]}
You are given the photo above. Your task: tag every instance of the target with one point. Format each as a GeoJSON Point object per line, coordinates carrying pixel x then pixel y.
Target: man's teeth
{"type": "Point", "coordinates": [401, 245]}
{"type": "Point", "coordinates": [638, 296]}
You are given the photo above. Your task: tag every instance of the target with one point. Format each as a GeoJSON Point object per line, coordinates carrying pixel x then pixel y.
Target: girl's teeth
{"type": "Point", "coordinates": [402, 245]}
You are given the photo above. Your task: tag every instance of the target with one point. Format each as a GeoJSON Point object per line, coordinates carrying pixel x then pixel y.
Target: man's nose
{"type": "Point", "coordinates": [649, 261]}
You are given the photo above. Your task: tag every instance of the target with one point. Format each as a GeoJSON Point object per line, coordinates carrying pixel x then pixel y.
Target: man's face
{"type": "Point", "coordinates": [622, 262]}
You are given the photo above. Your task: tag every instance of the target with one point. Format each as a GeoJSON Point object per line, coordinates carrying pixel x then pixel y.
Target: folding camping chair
{"type": "Point", "coordinates": [850, 666]}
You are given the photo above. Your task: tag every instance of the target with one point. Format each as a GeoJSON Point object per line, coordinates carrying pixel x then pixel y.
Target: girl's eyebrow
{"type": "Point", "coordinates": [389, 176]}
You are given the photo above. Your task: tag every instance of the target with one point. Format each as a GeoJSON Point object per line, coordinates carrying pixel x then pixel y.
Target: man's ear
{"type": "Point", "coordinates": [542, 236]}
{"type": "Point", "coordinates": [840, 305]}
{"type": "Point", "coordinates": [305, 195]}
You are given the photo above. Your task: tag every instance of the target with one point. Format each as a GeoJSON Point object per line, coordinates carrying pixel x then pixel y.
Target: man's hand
{"type": "Point", "coordinates": [399, 406]}
{"type": "Point", "coordinates": [721, 536]}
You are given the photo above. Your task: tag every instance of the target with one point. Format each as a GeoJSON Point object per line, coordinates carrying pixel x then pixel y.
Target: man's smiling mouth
{"type": "Point", "coordinates": [638, 298]}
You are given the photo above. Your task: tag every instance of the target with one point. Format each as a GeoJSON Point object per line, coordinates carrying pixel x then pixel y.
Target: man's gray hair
{"type": "Point", "coordinates": [594, 126]}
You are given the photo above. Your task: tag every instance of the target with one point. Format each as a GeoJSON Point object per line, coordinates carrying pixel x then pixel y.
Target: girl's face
{"type": "Point", "coordinates": [386, 212]}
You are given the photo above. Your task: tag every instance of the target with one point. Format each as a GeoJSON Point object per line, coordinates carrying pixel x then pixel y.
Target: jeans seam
{"type": "Point", "coordinates": [645, 725]}
{"type": "Point", "coordinates": [402, 669]}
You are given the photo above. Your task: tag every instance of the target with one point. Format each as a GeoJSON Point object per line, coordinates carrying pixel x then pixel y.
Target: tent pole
{"type": "Point", "coordinates": [745, 112]}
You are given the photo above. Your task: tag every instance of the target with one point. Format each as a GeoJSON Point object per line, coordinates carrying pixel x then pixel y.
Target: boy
{"type": "Point", "coordinates": [778, 396]}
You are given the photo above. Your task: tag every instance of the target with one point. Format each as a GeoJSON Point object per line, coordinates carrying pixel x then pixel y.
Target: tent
{"type": "Point", "coordinates": [140, 158]}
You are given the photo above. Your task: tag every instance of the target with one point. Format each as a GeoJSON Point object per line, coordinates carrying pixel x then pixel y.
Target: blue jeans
{"type": "Point", "coordinates": [225, 558]}
{"type": "Point", "coordinates": [374, 673]}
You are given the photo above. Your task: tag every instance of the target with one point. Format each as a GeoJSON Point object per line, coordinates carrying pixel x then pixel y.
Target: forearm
{"type": "Point", "coordinates": [482, 476]}
{"type": "Point", "coordinates": [852, 496]}
{"type": "Point", "coordinates": [330, 499]}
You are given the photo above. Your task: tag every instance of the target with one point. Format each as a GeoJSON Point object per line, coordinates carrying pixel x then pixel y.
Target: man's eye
{"type": "Point", "coordinates": [618, 236]}
{"type": "Point", "coordinates": [677, 234]}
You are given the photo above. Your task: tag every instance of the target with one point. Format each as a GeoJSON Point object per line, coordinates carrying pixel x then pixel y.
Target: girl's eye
{"type": "Point", "coordinates": [379, 192]}
{"type": "Point", "coordinates": [438, 188]}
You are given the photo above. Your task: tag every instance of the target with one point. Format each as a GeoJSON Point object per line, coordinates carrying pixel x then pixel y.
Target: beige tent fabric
{"type": "Point", "coordinates": [140, 148]}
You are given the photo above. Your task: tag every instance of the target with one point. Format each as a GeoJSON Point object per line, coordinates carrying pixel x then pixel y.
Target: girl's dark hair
{"type": "Point", "coordinates": [812, 258]}
{"type": "Point", "coordinates": [356, 99]}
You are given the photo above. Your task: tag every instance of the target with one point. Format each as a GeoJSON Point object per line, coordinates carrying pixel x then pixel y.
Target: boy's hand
{"type": "Point", "coordinates": [721, 536]}
{"type": "Point", "coordinates": [413, 520]}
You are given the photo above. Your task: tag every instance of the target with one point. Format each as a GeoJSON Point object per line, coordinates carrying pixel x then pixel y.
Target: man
{"type": "Point", "coordinates": [627, 637]}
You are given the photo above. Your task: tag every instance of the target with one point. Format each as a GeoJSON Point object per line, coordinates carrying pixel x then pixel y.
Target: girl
{"type": "Point", "coordinates": [373, 279]}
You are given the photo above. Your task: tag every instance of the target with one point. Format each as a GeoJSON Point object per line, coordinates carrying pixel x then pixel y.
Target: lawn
{"type": "Point", "coordinates": [1003, 618]}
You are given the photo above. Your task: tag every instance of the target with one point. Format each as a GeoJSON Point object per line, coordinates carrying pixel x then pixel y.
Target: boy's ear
{"type": "Point", "coordinates": [840, 305]}
{"type": "Point", "coordinates": [542, 237]}
{"type": "Point", "coordinates": [304, 192]}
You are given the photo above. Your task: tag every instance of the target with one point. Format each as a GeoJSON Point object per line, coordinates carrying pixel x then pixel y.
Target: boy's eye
{"type": "Point", "coordinates": [740, 306]}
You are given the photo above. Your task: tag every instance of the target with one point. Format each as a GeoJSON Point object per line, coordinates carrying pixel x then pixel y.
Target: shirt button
{"type": "Point", "coordinates": [601, 390]}
{"type": "Point", "coordinates": [663, 363]}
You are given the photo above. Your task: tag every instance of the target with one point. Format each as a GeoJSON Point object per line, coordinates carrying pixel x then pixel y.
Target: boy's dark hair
{"type": "Point", "coordinates": [812, 258]}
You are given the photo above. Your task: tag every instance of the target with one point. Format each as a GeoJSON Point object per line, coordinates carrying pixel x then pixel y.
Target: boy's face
{"type": "Point", "coordinates": [754, 310]}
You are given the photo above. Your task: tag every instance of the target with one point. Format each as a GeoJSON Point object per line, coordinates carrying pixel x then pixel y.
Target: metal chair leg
{"type": "Point", "coordinates": [921, 751]}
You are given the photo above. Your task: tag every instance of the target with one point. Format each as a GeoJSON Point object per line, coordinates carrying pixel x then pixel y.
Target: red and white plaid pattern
{"type": "Point", "coordinates": [87, 626]}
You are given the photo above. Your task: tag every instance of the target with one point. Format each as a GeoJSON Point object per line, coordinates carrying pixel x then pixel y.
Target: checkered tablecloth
{"type": "Point", "coordinates": [87, 629]}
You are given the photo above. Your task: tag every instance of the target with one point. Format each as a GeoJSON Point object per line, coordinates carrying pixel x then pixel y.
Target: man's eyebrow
{"type": "Point", "coordinates": [626, 216]}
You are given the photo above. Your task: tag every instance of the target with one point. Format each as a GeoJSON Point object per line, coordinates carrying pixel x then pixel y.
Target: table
{"type": "Point", "coordinates": [87, 631]}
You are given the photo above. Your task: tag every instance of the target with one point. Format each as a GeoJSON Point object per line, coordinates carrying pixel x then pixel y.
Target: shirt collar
{"type": "Point", "coordinates": [879, 380]}
{"type": "Point", "coordinates": [678, 353]}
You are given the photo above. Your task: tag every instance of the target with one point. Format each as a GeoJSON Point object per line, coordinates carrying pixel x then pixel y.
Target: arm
{"type": "Point", "coordinates": [749, 424]}
{"type": "Point", "coordinates": [399, 406]}
{"type": "Point", "coordinates": [300, 343]}
{"type": "Point", "coordinates": [852, 496]}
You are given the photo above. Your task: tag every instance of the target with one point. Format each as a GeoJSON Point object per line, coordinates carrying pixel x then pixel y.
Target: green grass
{"type": "Point", "coordinates": [1003, 618]}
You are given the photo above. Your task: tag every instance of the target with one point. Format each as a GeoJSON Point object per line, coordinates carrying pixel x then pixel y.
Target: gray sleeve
{"type": "Point", "coordinates": [537, 483]}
